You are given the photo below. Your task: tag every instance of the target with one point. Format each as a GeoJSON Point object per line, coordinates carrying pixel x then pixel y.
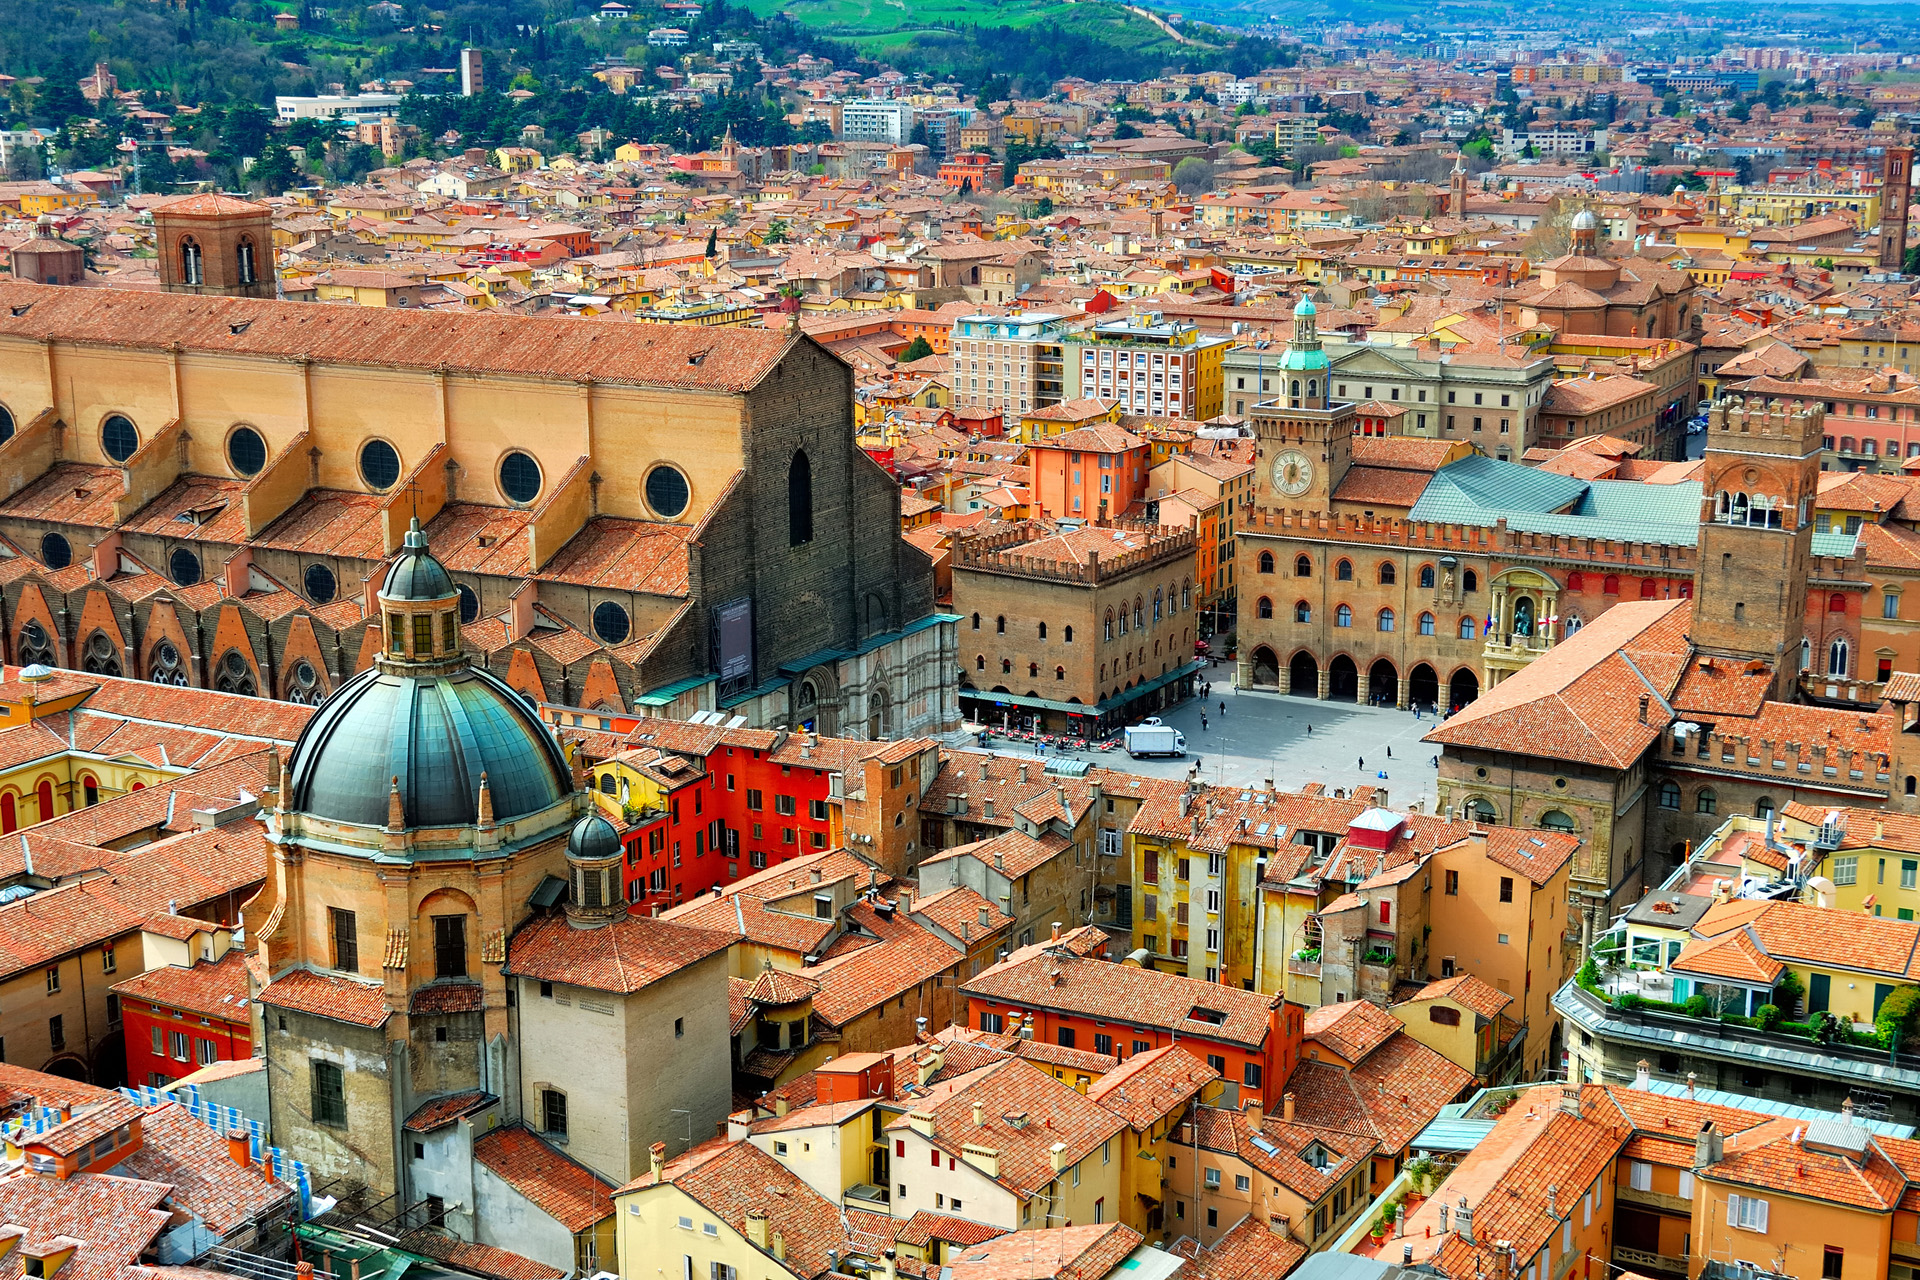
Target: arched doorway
{"type": "Point", "coordinates": [1383, 683]}
{"type": "Point", "coordinates": [1266, 668]}
{"type": "Point", "coordinates": [1343, 680]}
{"type": "Point", "coordinates": [67, 1066]}
{"type": "Point", "coordinates": [1462, 689]}
{"type": "Point", "coordinates": [1303, 675]}
{"type": "Point", "coordinates": [1423, 686]}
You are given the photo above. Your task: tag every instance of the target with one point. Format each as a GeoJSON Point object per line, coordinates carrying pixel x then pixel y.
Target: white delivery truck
{"type": "Point", "coordinates": [1151, 738]}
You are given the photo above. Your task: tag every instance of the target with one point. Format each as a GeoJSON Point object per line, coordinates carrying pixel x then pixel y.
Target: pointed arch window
{"type": "Point", "coordinates": [799, 500]}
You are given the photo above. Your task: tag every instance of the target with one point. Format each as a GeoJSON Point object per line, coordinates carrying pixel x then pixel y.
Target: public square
{"type": "Point", "coordinates": [1265, 735]}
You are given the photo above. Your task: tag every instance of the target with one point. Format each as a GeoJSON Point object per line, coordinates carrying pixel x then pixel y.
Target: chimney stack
{"type": "Point", "coordinates": [240, 1146]}
{"type": "Point", "coordinates": [658, 1151]}
{"type": "Point", "coordinates": [759, 1234]}
{"type": "Point", "coordinates": [1286, 1108]}
{"type": "Point", "coordinates": [1706, 1146]}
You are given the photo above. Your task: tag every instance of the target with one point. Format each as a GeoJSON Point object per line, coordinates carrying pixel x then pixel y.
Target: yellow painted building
{"type": "Point", "coordinates": [35, 203]}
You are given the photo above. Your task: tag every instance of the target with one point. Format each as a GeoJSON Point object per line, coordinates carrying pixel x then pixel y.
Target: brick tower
{"type": "Point", "coordinates": [1457, 188]}
{"type": "Point", "coordinates": [1762, 470]}
{"type": "Point", "coordinates": [1896, 195]}
{"type": "Point", "coordinates": [215, 244]}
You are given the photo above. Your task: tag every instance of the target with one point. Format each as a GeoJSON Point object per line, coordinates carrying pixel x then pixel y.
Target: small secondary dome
{"type": "Point", "coordinates": [593, 838]}
{"type": "Point", "coordinates": [1584, 221]}
{"type": "Point", "coordinates": [1304, 308]}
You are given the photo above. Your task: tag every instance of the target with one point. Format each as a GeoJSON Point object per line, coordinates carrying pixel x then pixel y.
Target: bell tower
{"type": "Point", "coordinates": [1306, 438]}
{"type": "Point", "coordinates": [215, 244]}
{"type": "Point", "coordinates": [1761, 474]}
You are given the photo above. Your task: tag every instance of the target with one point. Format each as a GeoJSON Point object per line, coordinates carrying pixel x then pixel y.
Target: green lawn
{"type": "Point", "coordinates": [875, 24]}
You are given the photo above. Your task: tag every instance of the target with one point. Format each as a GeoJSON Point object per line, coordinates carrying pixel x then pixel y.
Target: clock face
{"type": "Point", "coordinates": [1292, 473]}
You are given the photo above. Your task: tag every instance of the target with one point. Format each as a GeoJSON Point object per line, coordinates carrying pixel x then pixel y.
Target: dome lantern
{"type": "Point", "coordinates": [419, 606]}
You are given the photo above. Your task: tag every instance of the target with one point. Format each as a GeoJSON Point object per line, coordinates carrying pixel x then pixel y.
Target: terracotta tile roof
{"type": "Point", "coordinates": [1391, 1096]}
{"type": "Point", "coordinates": [623, 957]}
{"type": "Point", "coordinates": [958, 911]}
{"type": "Point", "coordinates": [215, 990]}
{"type": "Point", "coordinates": [68, 493]}
{"type": "Point", "coordinates": [753, 907]}
{"type": "Point", "coordinates": [1283, 1149]}
{"type": "Point", "coordinates": [1013, 852]}
{"type": "Point", "coordinates": [1103, 438]}
{"type": "Point", "coordinates": [465, 341]}
{"type": "Point", "coordinates": [1025, 1112]}
{"type": "Point", "coordinates": [1125, 993]}
{"type": "Point", "coordinates": [1382, 486]}
{"type": "Point", "coordinates": [905, 956]}
{"type": "Point", "coordinates": [1560, 1150]}
{"type": "Point", "coordinates": [115, 1220]}
{"type": "Point", "coordinates": [87, 1124]}
{"type": "Point", "coordinates": [1722, 687]}
{"type": "Point", "coordinates": [180, 928]}
{"type": "Point", "coordinates": [738, 1010]}
{"type": "Point", "coordinates": [566, 1191]}
{"type": "Point", "coordinates": [431, 1115]}
{"type": "Point", "coordinates": [1537, 855]}
{"type": "Point", "coordinates": [341, 999]}
{"type": "Point", "coordinates": [777, 988]}
{"type": "Point", "coordinates": [1580, 701]}
{"type": "Point", "coordinates": [478, 1259]}
{"type": "Point", "coordinates": [1351, 1028]}
{"type": "Point", "coordinates": [925, 1227]}
{"type": "Point", "coordinates": [734, 1178]}
{"type": "Point", "coordinates": [190, 1156]}
{"type": "Point", "coordinates": [1465, 989]}
{"type": "Point", "coordinates": [1251, 1251]}
{"type": "Point", "coordinates": [1150, 1086]}
{"type": "Point", "coordinates": [1733, 955]}
{"type": "Point", "coordinates": [1058, 1253]}
{"type": "Point", "coordinates": [1767, 1157]}
{"type": "Point", "coordinates": [1797, 931]}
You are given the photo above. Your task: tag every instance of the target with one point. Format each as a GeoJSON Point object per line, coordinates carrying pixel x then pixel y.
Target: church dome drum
{"type": "Point", "coordinates": [437, 734]}
{"type": "Point", "coordinates": [424, 726]}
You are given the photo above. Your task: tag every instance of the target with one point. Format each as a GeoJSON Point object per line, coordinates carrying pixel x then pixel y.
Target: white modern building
{"type": "Point", "coordinates": [335, 106]}
{"type": "Point", "coordinates": [876, 120]}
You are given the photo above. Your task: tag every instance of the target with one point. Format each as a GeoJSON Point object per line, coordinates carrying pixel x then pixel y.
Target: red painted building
{"type": "Point", "coordinates": [1080, 1001]}
{"type": "Point", "coordinates": [180, 1018]}
{"type": "Point", "coordinates": [699, 807]}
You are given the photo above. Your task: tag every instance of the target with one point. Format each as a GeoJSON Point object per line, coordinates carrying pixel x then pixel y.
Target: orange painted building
{"type": "Point", "coordinates": [1094, 473]}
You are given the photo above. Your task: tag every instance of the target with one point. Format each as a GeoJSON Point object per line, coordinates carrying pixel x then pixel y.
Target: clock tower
{"type": "Point", "coordinates": [1306, 439]}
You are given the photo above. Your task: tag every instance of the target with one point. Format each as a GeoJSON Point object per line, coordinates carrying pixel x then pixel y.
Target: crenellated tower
{"type": "Point", "coordinates": [1758, 483]}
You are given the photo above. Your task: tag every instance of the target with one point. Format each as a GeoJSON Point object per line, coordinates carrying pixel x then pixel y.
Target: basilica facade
{"type": "Point", "coordinates": [636, 518]}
